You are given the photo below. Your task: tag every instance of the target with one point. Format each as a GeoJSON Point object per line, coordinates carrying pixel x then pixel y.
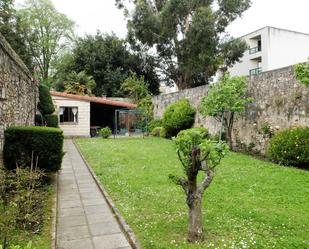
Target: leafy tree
{"type": "Point", "coordinates": [135, 88]}
{"type": "Point", "coordinates": [45, 31]}
{"type": "Point", "coordinates": [196, 154]}
{"type": "Point", "coordinates": [302, 73]}
{"type": "Point", "coordinates": [11, 30]}
{"type": "Point", "coordinates": [224, 100]}
{"type": "Point", "coordinates": [109, 61]}
{"type": "Point", "coordinates": [79, 83]}
{"type": "Point", "coordinates": [188, 36]}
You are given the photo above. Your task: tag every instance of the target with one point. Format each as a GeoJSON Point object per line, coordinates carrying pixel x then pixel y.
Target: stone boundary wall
{"type": "Point", "coordinates": [280, 101]}
{"type": "Point", "coordinates": [18, 91]}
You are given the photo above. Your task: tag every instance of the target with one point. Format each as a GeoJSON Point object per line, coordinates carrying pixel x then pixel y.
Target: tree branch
{"type": "Point", "coordinates": [209, 174]}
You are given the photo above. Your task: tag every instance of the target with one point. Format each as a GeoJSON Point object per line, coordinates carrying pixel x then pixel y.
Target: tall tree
{"type": "Point", "coordinates": [109, 61]}
{"type": "Point", "coordinates": [186, 34]}
{"type": "Point", "coordinates": [46, 32]}
{"type": "Point", "coordinates": [10, 29]}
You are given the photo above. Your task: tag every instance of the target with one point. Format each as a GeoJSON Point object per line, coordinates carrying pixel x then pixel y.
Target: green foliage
{"type": "Point", "coordinates": [106, 132]}
{"type": "Point", "coordinates": [158, 132]}
{"type": "Point", "coordinates": [21, 203]}
{"type": "Point", "coordinates": [178, 116]}
{"type": "Point", "coordinates": [187, 140]}
{"type": "Point", "coordinates": [79, 83]}
{"type": "Point", "coordinates": [290, 147]}
{"type": "Point", "coordinates": [135, 88]}
{"type": "Point", "coordinates": [52, 120]}
{"type": "Point", "coordinates": [109, 61]}
{"type": "Point", "coordinates": [302, 73]}
{"type": "Point", "coordinates": [10, 28]}
{"type": "Point", "coordinates": [45, 104]}
{"type": "Point", "coordinates": [224, 99]}
{"type": "Point", "coordinates": [22, 144]}
{"type": "Point", "coordinates": [155, 123]}
{"type": "Point", "coordinates": [203, 132]}
{"type": "Point", "coordinates": [187, 35]}
{"type": "Point", "coordinates": [46, 32]}
{"type": "Point", "coordinates": [28, 246]}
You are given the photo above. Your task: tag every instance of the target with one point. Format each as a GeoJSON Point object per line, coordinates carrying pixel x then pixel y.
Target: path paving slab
{"type": "Point", "coordinates": [84, 219]}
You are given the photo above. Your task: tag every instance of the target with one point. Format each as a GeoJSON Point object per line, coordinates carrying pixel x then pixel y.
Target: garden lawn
{"type": "Point", "coordinates": [250, 204]}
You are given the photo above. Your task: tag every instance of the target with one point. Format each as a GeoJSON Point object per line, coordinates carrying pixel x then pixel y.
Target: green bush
{"type": "Point", "coordinates": [154, 123]}
{"type": "Point", "coordinates": [203, 132]}
{"type": "Point", "coordinates": [39, 120]}
{"type": "Point", "coordinates": [178, 116]}
{"type": "Point", "coordinates": [290, 147]}
{"type": "Point", "coordinates": [105, 132]}
{"type": "Point", "coordinates": [158, 132]}
{"type": "Point", "coordinates": [45, 105]}
{"type": "Point", "coordinates": [46, 144]}
{"type": "Point", "coordinates": [52, 120]}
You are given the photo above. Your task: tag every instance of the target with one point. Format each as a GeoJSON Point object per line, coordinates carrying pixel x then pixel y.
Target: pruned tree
{"type": "Point", "coordinates": [196, 154]}
{"type": "Point", "coordinates": [186, 35]}
{"type": "Point", "coordinates": [224, 100]}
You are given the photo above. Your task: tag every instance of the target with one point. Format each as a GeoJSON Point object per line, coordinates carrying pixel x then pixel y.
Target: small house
{"type": "Point", "coordinates": [82, 116]}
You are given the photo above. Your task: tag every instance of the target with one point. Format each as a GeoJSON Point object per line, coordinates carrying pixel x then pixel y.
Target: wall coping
{"type": "Point", "coordinates": [12, 54]}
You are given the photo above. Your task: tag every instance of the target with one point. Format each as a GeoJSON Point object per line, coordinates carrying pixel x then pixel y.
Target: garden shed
{"type": "Point", "coordinates": [78, 115]}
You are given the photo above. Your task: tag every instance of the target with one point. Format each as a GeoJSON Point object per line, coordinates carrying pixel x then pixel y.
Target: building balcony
{"type": "Point", "coordinates": [255, 50]}
{"type": "Point", "coordinates": [255, 71]}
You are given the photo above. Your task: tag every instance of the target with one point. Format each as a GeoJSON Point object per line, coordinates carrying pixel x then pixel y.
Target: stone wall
{"type": "Point", "coordinates": [18, 92]}
{"type": "Point", "coordinates": [280, 102]}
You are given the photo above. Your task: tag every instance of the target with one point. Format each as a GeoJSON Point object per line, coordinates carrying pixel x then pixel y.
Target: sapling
{"type": "Point", "coordinates": [196, 154]}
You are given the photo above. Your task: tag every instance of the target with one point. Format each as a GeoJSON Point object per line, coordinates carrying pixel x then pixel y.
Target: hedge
{"type": "Point", "coordinates": [45, 143]}
{"type": "Point", "coordinates": [52, 120]}
{"type": "Point", "coordinates": [290, 147]}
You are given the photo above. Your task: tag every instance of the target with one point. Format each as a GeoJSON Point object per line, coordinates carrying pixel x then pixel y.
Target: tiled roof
{"type": "Point", "coordinates": [103, 101]}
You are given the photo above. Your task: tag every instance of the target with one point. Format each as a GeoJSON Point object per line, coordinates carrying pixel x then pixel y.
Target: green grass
{"type": "Point", "coordinates": [250, 204]}
{"type": "Point", "coordinates": [41, 240]}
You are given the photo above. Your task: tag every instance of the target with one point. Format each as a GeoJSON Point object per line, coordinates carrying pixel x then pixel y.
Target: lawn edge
{"type": "Point", "coordinates": [131, 237]}
{"type": "Point", "coordinates": [54, 213]}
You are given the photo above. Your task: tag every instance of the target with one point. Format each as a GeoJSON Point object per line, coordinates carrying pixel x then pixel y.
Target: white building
{"type": "Point", "coordinates": [271, 48]}
{"type": "Point", "coordinates": [82, 115]}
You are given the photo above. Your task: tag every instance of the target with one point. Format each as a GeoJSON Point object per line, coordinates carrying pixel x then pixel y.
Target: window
{"type": "Point", "coordinates": [68, 115]}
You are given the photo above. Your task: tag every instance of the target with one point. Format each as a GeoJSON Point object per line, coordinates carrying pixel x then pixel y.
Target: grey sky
{"type": "Point", "coordinates": [92, 15]}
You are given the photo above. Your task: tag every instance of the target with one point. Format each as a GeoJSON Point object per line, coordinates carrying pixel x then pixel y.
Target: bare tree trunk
{"type": "Point", "coordinates": [195, 231]}
{"type": "Point", "coordinates": [229, 137]}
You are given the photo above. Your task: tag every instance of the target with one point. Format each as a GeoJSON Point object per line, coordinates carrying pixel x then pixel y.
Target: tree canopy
{"type": "Point", "coordinates": [224, 99]}
{"type": "Point", "coordinates": [109, 61]}
{"type": "Point", "coordinates": [302, 73]}
{"type": "Point", "coordinates": [188, 36]}
{"type": "Point", "coordinates": [46, 32]}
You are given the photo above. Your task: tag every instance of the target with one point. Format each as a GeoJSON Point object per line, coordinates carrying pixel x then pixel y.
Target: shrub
{"type": "Point", "coordinates": [46, 145]}
{"type": "Point", "coordinates": [290, 147]}
{"type": "Point", "coordinates": [163, 133]}
{"type": "Point", "coordinates": [154, 123]}
{"type": "Point", "coordinates": [52, 120]}
{"type": "Point", "coordinates": [45, 105]}
{"type": "Point", "coordinates": [106, 132]}
{"type": "Point", "coordinates": [156, 131]}
{"type": "Point", "coordinates": [203, 132]}
{"type": "Point", "coordinates": [39, 120]}
{"type": "Point", "coordinates": [178, 116]}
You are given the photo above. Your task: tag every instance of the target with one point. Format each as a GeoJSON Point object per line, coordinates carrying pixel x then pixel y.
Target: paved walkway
{"type": "Point", "coordinates": [84, 219]}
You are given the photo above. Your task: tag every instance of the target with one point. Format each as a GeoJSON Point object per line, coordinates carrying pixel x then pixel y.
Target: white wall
{"type": "Point", "coordinates": [287, 48]}
{"type": "Point", "coordinates": [82, 128]}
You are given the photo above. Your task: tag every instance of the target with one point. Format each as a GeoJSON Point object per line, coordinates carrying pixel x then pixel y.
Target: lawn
{"type": "Point", "coordinates": [250, 204]}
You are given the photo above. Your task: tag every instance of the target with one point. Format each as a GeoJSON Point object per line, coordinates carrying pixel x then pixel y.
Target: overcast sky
{"type": "Point", "coordinates": [91, 15]}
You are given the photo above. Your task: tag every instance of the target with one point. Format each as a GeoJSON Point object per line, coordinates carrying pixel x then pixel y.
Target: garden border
{"type": "Point", "coordinates": [54, 213]}
{"type": "Point", "coordinates": [128, 232]}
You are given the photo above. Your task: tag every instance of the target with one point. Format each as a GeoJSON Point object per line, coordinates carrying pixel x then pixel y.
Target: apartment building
{"type": "Point", "coordinates": [271, 48]}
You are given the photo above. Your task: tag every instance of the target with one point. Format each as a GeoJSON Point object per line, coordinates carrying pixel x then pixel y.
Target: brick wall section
{"type": "Point", "coordinates": [280, 100]}
{"type": "Point", "coordinates": [18, 92]}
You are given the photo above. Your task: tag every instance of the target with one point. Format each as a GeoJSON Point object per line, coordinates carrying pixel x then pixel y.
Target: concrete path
{"type": "Point", "coordinates": [84, 219]}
